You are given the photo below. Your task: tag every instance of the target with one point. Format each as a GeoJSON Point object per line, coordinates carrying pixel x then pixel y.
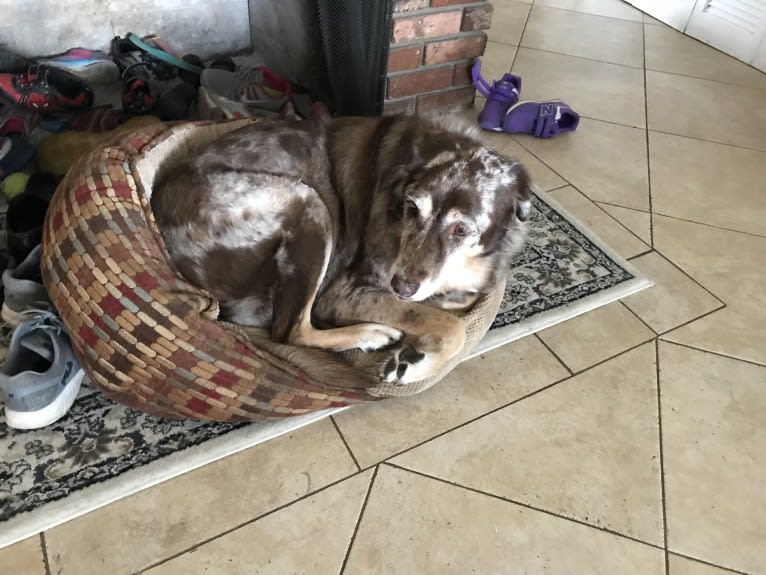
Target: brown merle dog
{"type": "Point", "coordinates": [372, 227]}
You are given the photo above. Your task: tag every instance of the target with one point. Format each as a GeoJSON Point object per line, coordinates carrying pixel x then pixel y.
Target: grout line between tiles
{"type": "Point", "coordinates": [691, 77]}
{"type": "Point", "coordinates": [662, 458]}
{"type": "Point", "coordinates": [553, 353]}
{"type": "Point", "coordinates": [343, 439]}
{"type": "Point", "coordinates": [628, 66]}
{"type": "Point", "coordinates": [640, 22]}
{"type": "Point", "coordinates": [740, 146]}
{"type": "Point", "coordinates": [359, 520]}
{"type": "Point", "coordinates": [199, 544]}
{"type": "Point", "coordinates": [724, 228]}
{"type": "Point", "coordinates": [626, 228]}
{"type": "Point", "coordinates": [631, 67]}
{"type": "Point", "coordinates": [716, 353]}
{"type": "Point", "coordinates": [522, 504]}
{"type": "Point", "coordinates": [557, 188]}
{"type": "Point", "coordinates": [621, 206]}
{"type": "Point", "coordinates": [469, 421]}
{"type": "Point", "coordinates": [508, 404]}
{"type": "Point", "coordinates": [646, 136]}
{"type": "Point", "coordinates": [689, 277]}
{"type": "Point", "coordinates": [672, 329]}
{"type": "Point", "coordinates": [638, 317]}
{"type": "Point", "coordinates": [521, 37]}
{"type": "Point", "coordinates": [642, 254]}
{"type": "Point", "coordinates": [544, 163]}
{"type": "Point", "coordinates": [729, 569]}
{"type": "Point", "coordinates": [44, 551]}
{"type": "Point", "coordinates": [656, 131]}
{"type": "Point", "coordinates": [616, 355]}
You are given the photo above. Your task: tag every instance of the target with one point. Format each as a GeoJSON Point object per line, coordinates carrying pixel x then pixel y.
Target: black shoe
{"type": "Point", "coordinates": [26, 215]}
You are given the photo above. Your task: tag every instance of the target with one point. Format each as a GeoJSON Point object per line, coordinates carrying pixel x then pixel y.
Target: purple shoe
{"type": "Point", "coordinates": [501, 95]}
{"type": "Point", "coordinates": [541, 119]}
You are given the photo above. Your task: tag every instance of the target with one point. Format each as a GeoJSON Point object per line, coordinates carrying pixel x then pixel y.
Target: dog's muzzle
{"type": "Point", "coordinates": [404, 288]}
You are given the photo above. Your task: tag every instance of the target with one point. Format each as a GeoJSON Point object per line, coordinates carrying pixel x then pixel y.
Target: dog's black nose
{"type": "Point", "coordinates": [402, 287]}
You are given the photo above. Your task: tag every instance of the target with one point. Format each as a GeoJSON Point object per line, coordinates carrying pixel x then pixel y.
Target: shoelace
{"type": "Point", "coordinates": [44, 319]}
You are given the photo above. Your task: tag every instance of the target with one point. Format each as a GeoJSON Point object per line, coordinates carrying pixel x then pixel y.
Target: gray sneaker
{"type": "Point", "coordinates": [40, 378]}
{"type": "Point", "coordinates": [24, 289]}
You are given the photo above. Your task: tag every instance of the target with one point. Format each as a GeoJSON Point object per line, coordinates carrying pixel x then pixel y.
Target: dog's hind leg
{"type": "Point", "coordinates": [302, 259]}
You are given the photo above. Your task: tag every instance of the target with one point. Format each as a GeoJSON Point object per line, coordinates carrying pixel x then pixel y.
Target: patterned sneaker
{"type": "Point", "coordinates": [24, 289]}
{"type": "Point", "coordinates": [92, 66]}
{"type": "Point", "coordinates": [40, 378]}
{"type": "Point", "coordinates": [46, 89]}
{"type": "Point", "coordinates": [247, 91]}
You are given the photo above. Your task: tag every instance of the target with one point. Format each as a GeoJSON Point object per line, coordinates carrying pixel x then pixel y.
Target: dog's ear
{"type": "Point", "coordinates": [401, 162]}
{"type": "Point", "coordinates": [522, 192]}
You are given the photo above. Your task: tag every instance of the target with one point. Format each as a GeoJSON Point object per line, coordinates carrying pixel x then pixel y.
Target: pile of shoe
{"type": "Point", "coordinates": [54, 109]}
{"type": "Point", "coordinates": [503, 112]}
{"type": "Point", "coordinates": [40, 376]}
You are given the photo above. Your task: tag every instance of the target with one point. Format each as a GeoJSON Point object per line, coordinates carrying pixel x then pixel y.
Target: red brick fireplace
{"type": "Point", "coordinates": [433, 44]}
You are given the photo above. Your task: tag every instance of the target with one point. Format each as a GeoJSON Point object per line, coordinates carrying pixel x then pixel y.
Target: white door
{"type": "Point", "coordinates": [673, 12]}
{"type": "Point", "coordinates": [733, 26]}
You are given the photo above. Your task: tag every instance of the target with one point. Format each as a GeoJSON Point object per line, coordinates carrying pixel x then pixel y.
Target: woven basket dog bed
{"type": "Point", "coordinates": [150, 339]}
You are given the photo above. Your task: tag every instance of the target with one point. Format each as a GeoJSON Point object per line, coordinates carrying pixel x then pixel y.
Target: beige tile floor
{"type": "Point", "coordinates": [628, 440]}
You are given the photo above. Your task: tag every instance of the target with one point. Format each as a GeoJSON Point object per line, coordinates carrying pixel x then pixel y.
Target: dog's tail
{"type": "Point", "coordinates": [323, 366]}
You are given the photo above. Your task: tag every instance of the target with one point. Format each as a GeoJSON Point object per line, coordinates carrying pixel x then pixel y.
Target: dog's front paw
{"type": "Point", "coordinates": [406, 365]}
{"type": "Point", "coordinates": [376, 336]}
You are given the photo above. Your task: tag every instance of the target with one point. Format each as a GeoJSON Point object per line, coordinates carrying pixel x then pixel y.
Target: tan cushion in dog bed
{"type": "Point", "coordinates": [150, 339]}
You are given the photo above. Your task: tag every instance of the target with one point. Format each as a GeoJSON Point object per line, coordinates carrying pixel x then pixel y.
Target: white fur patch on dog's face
{"type": "Point", "coordinates": [424, 205]}
{"type": "Point", "coordinates": [481, 187]}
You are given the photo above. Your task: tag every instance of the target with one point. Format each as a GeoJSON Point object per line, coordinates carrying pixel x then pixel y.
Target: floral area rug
{"type": "Point", "coordinates": [101, 451]}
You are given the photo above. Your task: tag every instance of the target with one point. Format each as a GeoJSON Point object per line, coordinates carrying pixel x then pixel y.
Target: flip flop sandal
{"type": "Point", "coordinates": [501, 95]}
{"type": "Point", "coordinates": [540, 119]}
{"type": "Point", "coordinates": [163, 55]}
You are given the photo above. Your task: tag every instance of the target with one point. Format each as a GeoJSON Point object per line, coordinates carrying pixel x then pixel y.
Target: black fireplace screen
{"type": "Point", "coordinates": [353, 36]}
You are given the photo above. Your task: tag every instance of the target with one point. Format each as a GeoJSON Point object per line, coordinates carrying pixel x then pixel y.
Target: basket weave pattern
{"type": "Point", "coordinates": [147, 337]}
{"type": "Point", "coordinates": [143, 334]}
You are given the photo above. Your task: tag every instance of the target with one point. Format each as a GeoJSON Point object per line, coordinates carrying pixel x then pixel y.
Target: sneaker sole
{"type": "Point", "coordinates": [48, 414]}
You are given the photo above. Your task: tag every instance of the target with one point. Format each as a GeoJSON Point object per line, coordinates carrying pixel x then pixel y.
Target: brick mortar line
{"type": "Point", "coordinates": [427, 11]}
{"type": "Point", "coordinates": [403, 99]}
{"type": "Point", "coordinates": [459, 35]}
{"type": "Point", "coordinates": [429, 68]}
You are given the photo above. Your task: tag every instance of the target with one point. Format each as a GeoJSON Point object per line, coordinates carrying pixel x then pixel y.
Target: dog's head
{"type": "Point", "coordinates": [458, 210]}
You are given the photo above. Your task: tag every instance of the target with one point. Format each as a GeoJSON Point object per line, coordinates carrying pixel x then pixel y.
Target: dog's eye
{"type": "Point", "coordinates": [459, 230]}
{"type": "Point", "coordinates": [411, 208]}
